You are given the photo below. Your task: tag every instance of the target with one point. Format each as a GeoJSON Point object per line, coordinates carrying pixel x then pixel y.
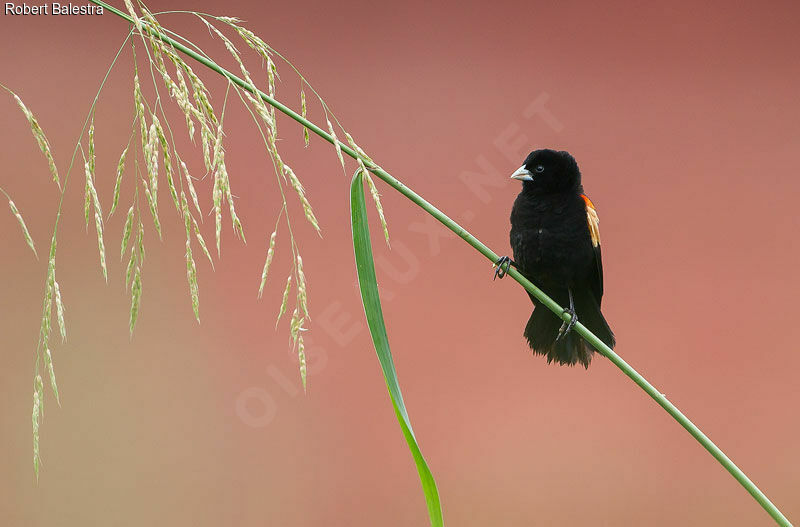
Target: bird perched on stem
{"type": "Point", "coordinates": [556, 243]}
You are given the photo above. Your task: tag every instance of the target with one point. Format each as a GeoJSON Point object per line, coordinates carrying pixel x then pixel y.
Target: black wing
{"type": "Point", "coordinates": [596, 277]}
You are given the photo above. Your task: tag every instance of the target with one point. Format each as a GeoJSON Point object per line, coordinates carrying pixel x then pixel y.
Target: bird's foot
{"type": "Point", "coordinates": [502, 266]}
{"type": "Point", "coordinates": [567, 326]}
{"type": "Point", "coordinates": [573, 319]}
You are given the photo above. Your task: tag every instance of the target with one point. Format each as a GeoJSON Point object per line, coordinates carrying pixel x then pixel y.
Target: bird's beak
{"type": "Point", "coordinates": [522, 174]}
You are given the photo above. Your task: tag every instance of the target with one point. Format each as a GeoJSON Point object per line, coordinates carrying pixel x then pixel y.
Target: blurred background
{"type": "Point", "coordinates": [684, 120]}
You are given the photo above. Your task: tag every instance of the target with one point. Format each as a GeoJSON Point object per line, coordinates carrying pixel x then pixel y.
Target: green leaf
{"type": "Point", "coordinates": [372, 308]}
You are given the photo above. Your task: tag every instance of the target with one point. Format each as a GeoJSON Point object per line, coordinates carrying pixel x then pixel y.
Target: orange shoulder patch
{"type": "Point", "coordinates": [593, 220]}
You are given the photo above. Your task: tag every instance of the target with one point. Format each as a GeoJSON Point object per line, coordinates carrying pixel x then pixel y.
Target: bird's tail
{"type": "Point", "coordinates": [542, 330]}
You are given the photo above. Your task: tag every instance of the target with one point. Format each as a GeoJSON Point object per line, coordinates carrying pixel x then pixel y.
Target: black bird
{"type": "Point", "coordinates": [556, 244]}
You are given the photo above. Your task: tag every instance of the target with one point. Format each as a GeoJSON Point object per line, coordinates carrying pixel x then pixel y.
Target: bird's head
{"type": "Point", "coordinates": [549, 171]}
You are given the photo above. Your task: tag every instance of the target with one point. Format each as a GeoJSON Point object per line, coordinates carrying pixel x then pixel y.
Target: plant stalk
{"type": "Point", "coordinates": [599, 345]}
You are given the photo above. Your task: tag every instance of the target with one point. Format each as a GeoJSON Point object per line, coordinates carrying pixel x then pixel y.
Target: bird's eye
{"type": "Point", "coordinates": [539, 168]}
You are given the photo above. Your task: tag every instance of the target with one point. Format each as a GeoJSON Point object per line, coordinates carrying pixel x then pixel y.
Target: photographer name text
{"type": "Point", "coordinates": [51, 9]}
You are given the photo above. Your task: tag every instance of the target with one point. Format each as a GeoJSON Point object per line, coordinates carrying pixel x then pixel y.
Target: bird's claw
{"type": "Point", "coordinates": [501, 267]}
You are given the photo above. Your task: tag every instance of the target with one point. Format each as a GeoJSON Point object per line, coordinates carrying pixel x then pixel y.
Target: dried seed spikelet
{"type": "Point", "coordinates": [153, 210]}
{"type": "Point", "coordinates": [252, 40]}
{"type": "Point", "coordinates": [256, 43]}
{"type": "Point", "coordinates": [117, 184]}
{"type": "Point", "coordinates": [35, 420]}
{"type": "Point", "coordinates": [237, 224]}
{"type": "Point", "coordinates": [301, 358]}
{"type": "Point", "coordinates": [162, 139]}
{"type": "Point", "coordinates": [92, 161]}
{"type": "Point", "coordinates": [60, 312]}
{"type": "Point", "coordinates": [138, 99]}
{"type": "Point", "coordinates": [262, 111]}
{"type": "Point", "coordinates": [100, 245]}
{"type": "Point", "coordinates": [206, 138]}
{"type": "Point", "coordinates": [39, 389]}
{"type": "Point", "coordinates": [182, 100]}
{"type": "Point", "coordinates": [358, 149]}
{"type": "Point", "coordinates": [216, 196]}
{"type": "Point", "coordinates": [272, 148]}
{"type": "Point", "coordinates": [136, 21]}
{"type": "Point", "coordinates": [136, 295]}
{"type": "Point", "coordinates": [234, 53]}
{"type": "Point", "coordinates": [302, 296]}
{"type": "Point", "coordinates": [126, 233]}
{"type": "Point", "coordinates": [98, 219]}
{"type": "Point", "coordinates": [218, 152]}
{"type": "Point", "coordinates": [129, 269]}
{"type": "Point", "coordinates": [272, 72]}
{"type": "Point", "coordinates": [151, 155]}
{"type": "Point", "coordinates": [41, 140]}
{"type": "Point", "coordinates": [47, 303]}
{"type": "Point", "coordinates": [48, 361]}
{"type": "Point", "coordinates": [24, 227]}
{"type": "Point", "coordinates": [191, 268]}
{"type": "Point", "coordinates": [190, 185]}
{"type": "Point", "coordinates": [270, 253]}
{"type": "Point", "coordinates": [87, 193]}
{"type": "Point", "coordinates": [140, 241]}
{"type": "Point", "coordinates": [155, 44]}
{"type": "Point", "coordinates": [335, 142]}
{"type": "Point", "coordinates": [285, 299]}
{"type": "Point", "coordinates": [296, 325]}
{"type": "Point", "coordinates": [301, 193]}
{"type": "Point", "coordinates": [202, 242]}
{"type": "Point", "coordinates": [200, 94]}
{"type": "Point", "coordinates": [377, 199]}
{"type": "Point", "coordinates": [303, 110]}
{"type": "Point", "coordinates": [180, 91]}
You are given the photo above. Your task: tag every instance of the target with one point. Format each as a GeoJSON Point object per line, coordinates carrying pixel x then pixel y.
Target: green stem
{"type": "Point", "coordinates": [601, 347]}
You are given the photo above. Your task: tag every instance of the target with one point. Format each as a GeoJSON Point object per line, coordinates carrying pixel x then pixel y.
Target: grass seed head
{"type": "Point", "coordinates": [117, 184]}
{"type": "Point", "coordinates": [22, 226]}
{"type": "Point", "coordinates": [270, 253]}
{"type": "Point", "coordinates": [41, 139]}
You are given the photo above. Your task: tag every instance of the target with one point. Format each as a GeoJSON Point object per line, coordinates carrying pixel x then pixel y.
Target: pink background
{"type": "Point", "coordinates": [684, 119]}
